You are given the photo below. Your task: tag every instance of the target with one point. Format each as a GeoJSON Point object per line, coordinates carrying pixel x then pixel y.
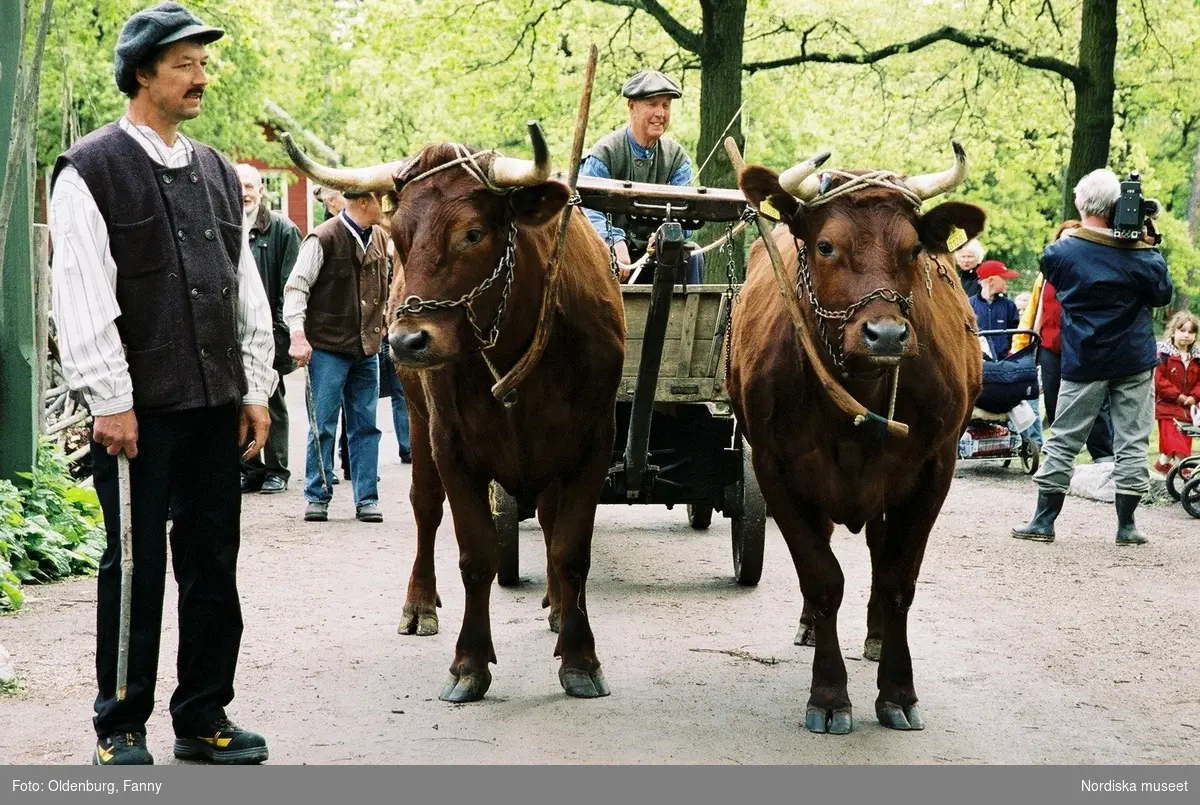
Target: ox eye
{"type": "Point", "coordinates": [474, 236]}
{"type": "Point", "coordinates": [916, 253]}
{"type": "Point", "coordinates": [825, 248]}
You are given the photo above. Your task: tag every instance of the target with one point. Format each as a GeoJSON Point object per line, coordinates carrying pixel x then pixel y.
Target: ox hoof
{"type": "Point", "coordinates": [895, 717]}
{"type": "Point", "coordinates": [418, 622]}
{"type": "Point", "coordinates": [555, 619]}
{"type": "Point", "coordinates": [834, 722]}
{"type": "Point", "coordinates": [582, 685]}
{"type": "Point", "coordinates": [466, 688]}
{"type": "Point", "coordinates": [872, 649]}
{"type": "Point", "coordinates": [806, 635]}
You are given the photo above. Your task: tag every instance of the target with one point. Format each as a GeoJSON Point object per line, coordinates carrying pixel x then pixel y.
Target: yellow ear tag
{"type": "Point", "coordinates": [956, 239]}
{"type": "Point", "coordinates": [768, 209]}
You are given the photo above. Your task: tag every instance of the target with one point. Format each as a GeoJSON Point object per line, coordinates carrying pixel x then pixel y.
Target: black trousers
{"type": "Point", "coordinates": [187, 464]}
{"type": "Point", "coordinates": [1099, 441]}
{"type": "Point", "coordinates": [276, 451]}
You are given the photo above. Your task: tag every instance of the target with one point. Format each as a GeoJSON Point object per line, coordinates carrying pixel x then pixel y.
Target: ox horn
{"type": "Point", "coordinates": [799, 180]}
{"type": "Point", "coordinates": [375, 179]}
{"type": "Point", "coordinates": [510, 172]}
{"type": "Point", "coordinates": [928, 185]}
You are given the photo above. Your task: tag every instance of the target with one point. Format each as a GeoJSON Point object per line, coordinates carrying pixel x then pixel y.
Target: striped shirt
{"type": "Point", "coordinates": [308, 268]}
{"type": "Point", "coordinates": [84, 284]}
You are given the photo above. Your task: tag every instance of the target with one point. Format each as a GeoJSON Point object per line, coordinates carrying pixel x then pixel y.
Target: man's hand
{"type": "Point", "coordinates": [1188, 401]}
{"type": "Point", "coordinates": [117, 432]}
{"type": "Point", "coordinates": [300, 349]}
{"type": "Point", "coordinates": [255, 422]}
{"type": "Point", "coordinates": [621, 250]}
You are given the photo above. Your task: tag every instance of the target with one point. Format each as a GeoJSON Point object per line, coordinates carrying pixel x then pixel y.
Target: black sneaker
{"type": "Point", "coordinates": [122, 749]}
{"type": "Point", "coordinates": [224, 742]}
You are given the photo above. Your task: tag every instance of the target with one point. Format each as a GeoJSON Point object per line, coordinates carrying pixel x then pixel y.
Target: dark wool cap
{"type": "Point", "coordinates": [649, 84]}
{"type": "Point", "coordinates": [152, 28]}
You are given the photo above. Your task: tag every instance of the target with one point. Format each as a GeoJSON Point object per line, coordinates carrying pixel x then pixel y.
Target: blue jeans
{"type": "Point", "coordinates": [338, 378]}
{"type": "Point", "coordinates": [388, 381]}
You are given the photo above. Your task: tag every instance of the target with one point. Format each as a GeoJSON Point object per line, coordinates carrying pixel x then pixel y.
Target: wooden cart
{"type": "Point", "coordinates": [676, 437]}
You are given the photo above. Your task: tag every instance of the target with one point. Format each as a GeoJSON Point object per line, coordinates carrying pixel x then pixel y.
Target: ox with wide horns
{"type": "Point", "coordinates": [475, 233]}
{"type": "Point", "coordinates": [869, 273]}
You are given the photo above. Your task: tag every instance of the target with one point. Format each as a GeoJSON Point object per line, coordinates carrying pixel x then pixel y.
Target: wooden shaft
{"type": "Point", "coordinates": [505, 388]}
{"type": "Point", "coordinates": [124, 494]}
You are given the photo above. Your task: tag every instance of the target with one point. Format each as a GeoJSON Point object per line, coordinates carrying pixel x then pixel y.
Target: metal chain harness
{"type": "Point", "coordinates": [804, 287]}
{"type": "Point", "coordinates": [413, 305]}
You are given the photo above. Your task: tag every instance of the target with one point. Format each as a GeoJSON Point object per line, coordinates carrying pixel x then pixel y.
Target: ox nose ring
{"type": "Point", "coordinates": [885, 338]}
{"type": "Point", "coordinates": [409, 343]}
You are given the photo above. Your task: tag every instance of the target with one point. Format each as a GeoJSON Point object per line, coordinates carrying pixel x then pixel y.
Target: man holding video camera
{"type": "Point", "coordinates": [1107, 277]}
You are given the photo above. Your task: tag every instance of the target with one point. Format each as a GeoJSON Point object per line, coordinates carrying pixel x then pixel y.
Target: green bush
{"type": "Point", "coordinates": [50, 529]}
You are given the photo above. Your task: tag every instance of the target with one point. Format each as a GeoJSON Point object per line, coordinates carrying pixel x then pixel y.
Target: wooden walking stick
{"type": "Point", "coordinates": [123, 493]}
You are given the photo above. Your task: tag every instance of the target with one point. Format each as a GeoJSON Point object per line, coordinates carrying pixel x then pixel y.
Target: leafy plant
{"type": "Point", "coordinates": [49, 530]}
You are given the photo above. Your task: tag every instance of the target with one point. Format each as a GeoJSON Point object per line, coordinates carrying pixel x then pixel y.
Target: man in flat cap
{"type": "Point", "coordinates": [164, 328]}
{"type": "Point", "coordinates": [641, 152]}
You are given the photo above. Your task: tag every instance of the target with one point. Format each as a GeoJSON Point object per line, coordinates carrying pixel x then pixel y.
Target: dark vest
{"type": "Point", "coordinates": [176, 236]}
{"type": "Point", "coordinates": [346, 303]}
{"type": "Point", "coordinates": [617, 154]}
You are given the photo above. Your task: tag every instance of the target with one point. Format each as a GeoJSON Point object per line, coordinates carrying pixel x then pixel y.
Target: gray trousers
{"type": "Point", "coordinates": [1132, 405]}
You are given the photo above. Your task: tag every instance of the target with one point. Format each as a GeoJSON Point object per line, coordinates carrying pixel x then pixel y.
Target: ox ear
{"type": "Point", "coordinates": [538, 204]}
{"type": "Point", "coordinates": [761, 184]}
{"type": "Point", "coordinates": [936, 225]}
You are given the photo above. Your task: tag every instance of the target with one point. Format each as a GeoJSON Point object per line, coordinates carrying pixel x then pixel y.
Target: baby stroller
{"type": "Point", "coordinates": [991, 434]}
{"type": "Point", "coordinates": [1183, 481]}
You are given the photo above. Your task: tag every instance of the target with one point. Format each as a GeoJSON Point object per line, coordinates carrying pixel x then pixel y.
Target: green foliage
{"type": "Point", "coordinates": [50, 529]}
{"type": "Point", "coordinates": [378, 79]}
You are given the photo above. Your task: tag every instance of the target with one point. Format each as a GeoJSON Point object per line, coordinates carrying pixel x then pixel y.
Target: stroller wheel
{"type": "Point", "coordinates": [1031, 456]}
{"type": "Point", "coordinates": [1180, 474]}
{"type": "Point", "coordinates": [1190, 497]}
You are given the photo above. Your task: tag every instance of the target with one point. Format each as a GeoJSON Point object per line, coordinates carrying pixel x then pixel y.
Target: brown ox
{"type": "Point", "coordinates": [485, 229]}
{"type": "Point", "coordinates": [873, 256]}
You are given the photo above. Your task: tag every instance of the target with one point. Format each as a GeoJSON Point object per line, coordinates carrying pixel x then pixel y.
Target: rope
{"type": "Point", "coordinates": [720, 140]}
{"type": "Point", "coordinates": [880, 178]}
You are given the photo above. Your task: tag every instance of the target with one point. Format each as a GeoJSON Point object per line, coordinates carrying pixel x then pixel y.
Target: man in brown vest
{"type": "Point", "coordinates": [334, 305]}
{"type": "Point", "coordinates": [164, 328]}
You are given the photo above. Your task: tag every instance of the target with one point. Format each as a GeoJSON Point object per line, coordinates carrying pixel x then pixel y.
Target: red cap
{"type": "Point", "coordinates": [994, 268]}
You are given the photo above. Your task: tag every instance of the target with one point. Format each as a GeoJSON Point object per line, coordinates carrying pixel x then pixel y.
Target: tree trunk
{"type": "Point", "coordinates": [720, 100]}
{"type": "Point", "coordinates": [1094, 92]}
{"type": "Point", "coordinates": [1183, 299]}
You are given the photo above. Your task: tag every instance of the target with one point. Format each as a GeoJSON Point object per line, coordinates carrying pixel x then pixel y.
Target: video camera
{"type": "Point", "coordinates": [1133, 212]}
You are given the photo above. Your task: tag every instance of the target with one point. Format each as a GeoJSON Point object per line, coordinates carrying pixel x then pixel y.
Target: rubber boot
{"type": "Point", "coordinates": [1041, 528]}
{"type": "Point", "coordinates": [1127, 533]}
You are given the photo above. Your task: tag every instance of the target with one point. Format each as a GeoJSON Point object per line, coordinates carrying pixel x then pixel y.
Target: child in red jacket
{"type": "Point", "coordinates": [1176, 387]}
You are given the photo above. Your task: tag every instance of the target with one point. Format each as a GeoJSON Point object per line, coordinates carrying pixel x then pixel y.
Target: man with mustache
{"type": "Point", "coordinates": [641, 152]}
{"type": "Point", "coordinates": [164, 328]}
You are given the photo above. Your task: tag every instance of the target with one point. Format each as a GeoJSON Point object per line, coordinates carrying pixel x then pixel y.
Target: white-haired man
{"type": "Point", "coordinates": [1107, 287]}
{"type": "Point", "coordinates": [969, 256]}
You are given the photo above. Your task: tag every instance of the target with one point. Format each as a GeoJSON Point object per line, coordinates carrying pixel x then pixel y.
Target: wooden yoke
{"type": "Point", "coordinates": [505, 388]}
{"type": "Point", "coordinates": [837, 393]}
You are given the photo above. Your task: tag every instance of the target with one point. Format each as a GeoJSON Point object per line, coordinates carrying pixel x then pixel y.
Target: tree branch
{"type": "Point", "coordinates": [967, 39]}
{"type": "Point", "coordinates": [683, 36]}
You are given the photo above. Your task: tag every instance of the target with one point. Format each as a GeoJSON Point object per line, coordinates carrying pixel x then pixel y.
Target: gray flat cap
{"type": "Point", "coordinates": [650, 83]}
{"type": "Point", "coordinates": [151, 28]}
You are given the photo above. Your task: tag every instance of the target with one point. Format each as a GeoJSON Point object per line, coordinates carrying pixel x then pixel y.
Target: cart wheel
{"type": "Point", "coordinates": [1179, 475]}
{"type": "Point", "coordinates": [1190, 497]}
{"type": "Point", "coordinates": [749, 524]}
{"type": "Point", "coordinates": [1031, 457]}
{"type": "Point", "coordinates": [699, 516]}
{"type": "Point", "coordinates": [507, 519]}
